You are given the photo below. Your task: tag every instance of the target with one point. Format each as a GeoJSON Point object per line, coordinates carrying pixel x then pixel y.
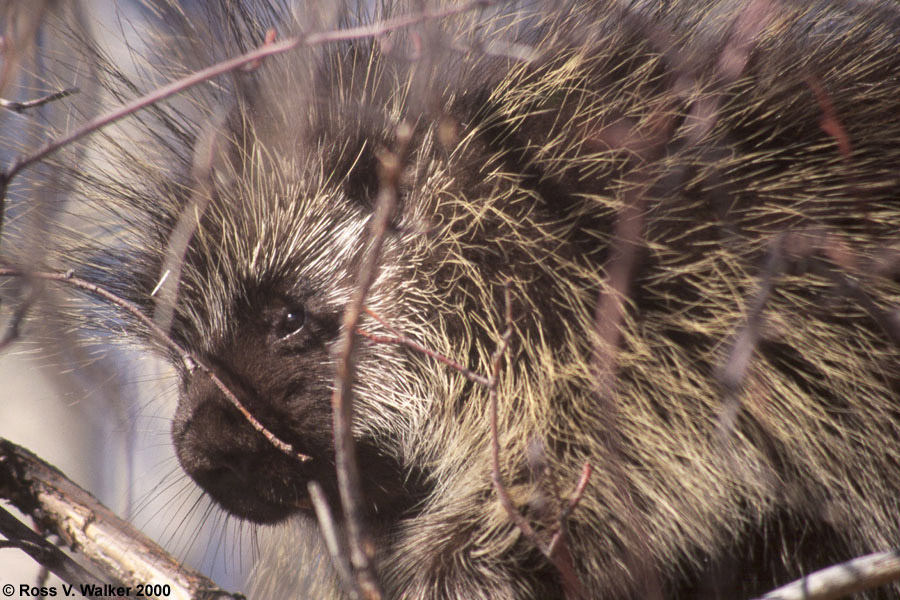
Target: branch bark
{"type": "Point", "coordinates": [852, 577]}
{"type": "Point", "coordinates": [117, 548]}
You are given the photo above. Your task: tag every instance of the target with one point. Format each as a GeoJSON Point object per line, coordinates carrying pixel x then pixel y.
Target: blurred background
{"type": "Point", "coordinates": [99, 413]}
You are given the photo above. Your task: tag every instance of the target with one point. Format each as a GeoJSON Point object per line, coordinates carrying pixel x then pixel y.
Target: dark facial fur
{"type": "Point", "coordinates": [276, 362]}
{"type": "Point", "coordinates": [518, 173]}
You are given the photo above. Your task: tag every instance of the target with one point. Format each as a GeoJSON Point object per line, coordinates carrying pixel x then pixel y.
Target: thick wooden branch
{"type": "Point", "coordinates": [121, 552]}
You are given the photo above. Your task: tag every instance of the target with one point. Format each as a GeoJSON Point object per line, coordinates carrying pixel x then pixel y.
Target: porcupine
{"type": "Point", "coordinates": [535, 129]}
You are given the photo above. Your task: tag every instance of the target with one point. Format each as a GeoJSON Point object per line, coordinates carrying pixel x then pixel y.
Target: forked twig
{"type": "Point", "coordinates": [249, 58]}
{"type": "Point", "coordinates": [502, 494]}
{"type": "Point", "coordinates": [560, 536]}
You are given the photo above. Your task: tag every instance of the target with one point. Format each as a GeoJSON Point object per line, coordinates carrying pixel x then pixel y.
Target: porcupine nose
{"type": "Point", "coordinates": [231, 461]}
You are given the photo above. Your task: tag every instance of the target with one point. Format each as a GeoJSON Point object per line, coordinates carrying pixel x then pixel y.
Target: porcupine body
{"type": "Point", "coordinates": [536, 129]}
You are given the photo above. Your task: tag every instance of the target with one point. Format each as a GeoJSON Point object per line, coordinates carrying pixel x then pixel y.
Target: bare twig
{"type": "Point", "coordinates": [751, 20]}
{"type": "Point", "coordinates": [731, 375]}
{"type": "Point", "coordinates": [609, 318]}
{"type": "Point", "coordinates": [124, 554]}
{"type": "Point", "coordinates": [558, 550]}
{"type": "Point", "coordinates": [190, 361]}
{"type": "Point", "coordinates": [839, 581]}
{"type": "Point", "coordinates": [362, 551]}
{"type": "Point", "coordinates": [270, 39]}
{"type": "Point", "coordinates": [166, 291]}
{"type": "Point", "coordinates": [332, 541]}
{"type": "Point", "coordinates": [20, 107]}
{"type": "Point", "coordinates": [830, 123]}
{"type": "Point", "coordinates": [397, 337]}
{"type": "Point", "coordinates": [250, 58]}
{"type": "Point", "coordinates": [851, 287]}
{"type": "Point", "coordinates": [580, 487]}
{"type": "Point", "coordinates": [520, 521]}
{"type": "Point", "coordinates": [559, 555]}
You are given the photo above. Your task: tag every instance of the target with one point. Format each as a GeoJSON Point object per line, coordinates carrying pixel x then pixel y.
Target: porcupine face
{"type": "Point", "coordinates": [268, 271]}
{"type": "Point", "coordinates": [264, 282]}
{"type": "Point", "coordinates": [289, 179]}
{"type": "Point", "coordinates": [277, 365]}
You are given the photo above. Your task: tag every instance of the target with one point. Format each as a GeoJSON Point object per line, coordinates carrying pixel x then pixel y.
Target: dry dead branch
{"type": "Point", "coordinates": [122, 553]}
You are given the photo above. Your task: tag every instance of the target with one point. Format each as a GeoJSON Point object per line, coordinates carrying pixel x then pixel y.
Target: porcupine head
{"type": "Point", "coordinates": [242, 212]}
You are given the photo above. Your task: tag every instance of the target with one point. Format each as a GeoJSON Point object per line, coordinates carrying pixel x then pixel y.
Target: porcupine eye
{"type": "Point", "coordinates": [292, 320]}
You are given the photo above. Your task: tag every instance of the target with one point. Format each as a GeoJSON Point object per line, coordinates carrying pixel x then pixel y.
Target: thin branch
{"type": "Point", "coordinates": [852, 288]}
{"type": "Point", "coordinates": [166, 290]}
{"type": "Point", "coordinates": [332, 541]}
{"type": "Point", "coordinates": [731, 375]}
{"type": "Point", "coordinates": [361, 547]}
{"type": "Point", "coordinates": [20, 107]}
{"type": "Point", "coordinates": [560, 555]}
{"type": "Point", "coordinates": [189, 359]}
{"type": "Point", "coordinates": [609, 322]}
{"type": "Point", "coordinates": [558, 550]}
{"type": "Point", "coordinates": [397, 337]}
{"type": "Point", "coordinates": [150, 99]}
{"type": "Point", "coordinates": [813, 251]}
{"type": "Point", "coordinates": [830, 123]}
{"type": "Point", "coordinates": [580, 487]}
{"type": "Point", "coordinates": [250, 58]}
{"type": "Point", "coordinates": [751, 20]}
{"type": "Point", "coordinates": [517, 517]}
{"type": "Point", "coordinates": [839, 581]}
